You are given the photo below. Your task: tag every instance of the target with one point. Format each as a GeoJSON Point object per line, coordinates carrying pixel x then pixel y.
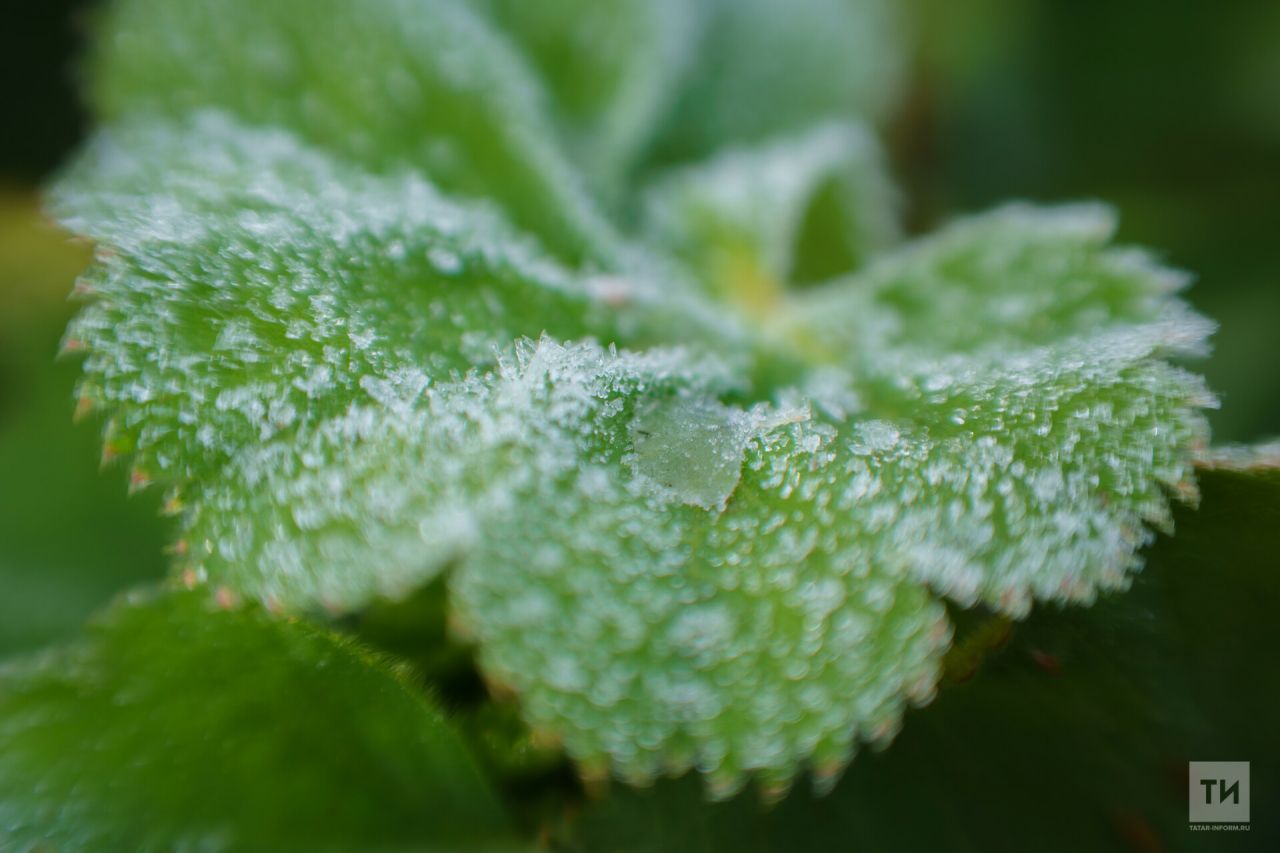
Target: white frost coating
{"type": "Point", "coordinates": [1016, 276]}
{"type": "Point", "coordinates": [418, 470]}
{"type": "Point", "coordinates": [871, 437]}
{"type": "Point", "coordinates": [1018, 479]}
{"type": "Point", "coordinates": [735, 641]}
{"type": "Point", "coordinates": [338, 280]}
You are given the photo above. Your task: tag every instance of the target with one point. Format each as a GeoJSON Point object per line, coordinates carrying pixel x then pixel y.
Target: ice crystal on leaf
{"type": "Point", "coordinates": [357, 308]}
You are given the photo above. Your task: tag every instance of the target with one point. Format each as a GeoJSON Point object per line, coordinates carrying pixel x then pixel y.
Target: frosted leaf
{"type": "Point", "coordinates": [1014, 480]}
{"type": "Point", "coordinates": [740, 219]}
{"type": "Point", "coordinates": [386, 83]}
{"type": "Point", "coordinates": [658, 636]}
{"type": "Point", "coordinates": [689, 533]}
{"type": "Point", "coordinates": [377, 499]}
{"type": "Point", "coordinates": [253, 286]}
{"type": "Point", "coordinates": [1017, 276]}
{"type": "Point", "coordinates": [1024, 479]}
{"type": "Point", "coordinates": [1020, 360]}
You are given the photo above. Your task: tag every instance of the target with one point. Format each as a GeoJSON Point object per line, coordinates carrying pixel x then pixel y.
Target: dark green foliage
{"type": "Point", "coordinates": [179, 723]}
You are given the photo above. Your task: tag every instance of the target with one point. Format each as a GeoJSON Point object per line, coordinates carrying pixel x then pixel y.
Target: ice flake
{"type": "Point", "coordinates": [690, 448]}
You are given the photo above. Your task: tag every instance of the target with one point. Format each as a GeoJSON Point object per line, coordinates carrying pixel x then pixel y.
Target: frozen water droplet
{"type": "Point", "coordinates": [871, 437]}
{"type": "Point", "coordinates": [445, 260]}
{"type": "Point", "coordinates": [691, 448]}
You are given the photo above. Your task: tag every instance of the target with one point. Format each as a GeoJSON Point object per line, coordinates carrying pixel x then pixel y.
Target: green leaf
{"type": "Point", "coordinates": [177, 724]}
{"type": "Point", "coordinates": [299, 306]}
{"type": "Point", "coordinates": [765, 69]}
{"type": "Point", "coordinates": [1022, 479]}
{"type": "Point", "coordinates": [611, 67]}
{"type": "Point", "coordinates": [740, 219]}
{"type": "Point", "coordinates": [1017, 277]}
{"type": "Point", "coordinates": [686, 638]}
{"type": "Point", "coordinates": [253, 285]}
{"type": "Point", "coordinates": [715, 610]}
{"type": "Point", "coordinates": [1084, 722]}
{"type": "Point", "coordinates": [717, 546]}
{"type": "Point", "coordinates": [1027, 424]}
{"type": "Point", "coordinates": [379, 499]}
{"type": "Point", "coordinates": [389, 84]}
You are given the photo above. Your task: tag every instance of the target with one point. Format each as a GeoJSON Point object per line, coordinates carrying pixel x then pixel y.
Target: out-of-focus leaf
{"type": "Point", "coordinates": [177, 724]}
{"type": "Point", "coordinates": [765, 68]}
{"type": "Point", "coordinates": [803, 209]}
{"type": "Point", "coordinates": [386, 84]}
{"type": "Point", "coordinates": [612, 68]}
{"type": "Point", "coordinates": [70, 537]}
{"type": "Point", "coordinates": [1085, 722]}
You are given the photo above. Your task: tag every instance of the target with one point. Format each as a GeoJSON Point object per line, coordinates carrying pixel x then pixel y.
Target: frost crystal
{"type": "Point", "coordinates": [357, 308]}
{"type": "Point", "coordinates": [691, 448]}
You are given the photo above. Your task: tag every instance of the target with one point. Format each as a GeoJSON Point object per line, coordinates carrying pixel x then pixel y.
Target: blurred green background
{"type": "Point", "coordinates": [1169, 109]}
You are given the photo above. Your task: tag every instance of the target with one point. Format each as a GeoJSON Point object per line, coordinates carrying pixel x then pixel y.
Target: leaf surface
{"type": "Point", "coordinates": [612, 68]}
{"type": "Point", "coordinates": [1085, 720]}
{"type": "Point", "coordinates": [805, 208]}
{"type": "Point", "coordinates": [179, 725]}
{"type": "Point", "coordinates": [388, 84]}
{"type": "Point", "coordinates": [659, 623]}
{"type": "Point", "coordinates": [768, 69]}
{"type": "Point", "coordinates": [263, 309]}
{"type": "Point", "coordinates": [690, 530]}
{"type": "Point", "coordinates": [1027, 422]}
